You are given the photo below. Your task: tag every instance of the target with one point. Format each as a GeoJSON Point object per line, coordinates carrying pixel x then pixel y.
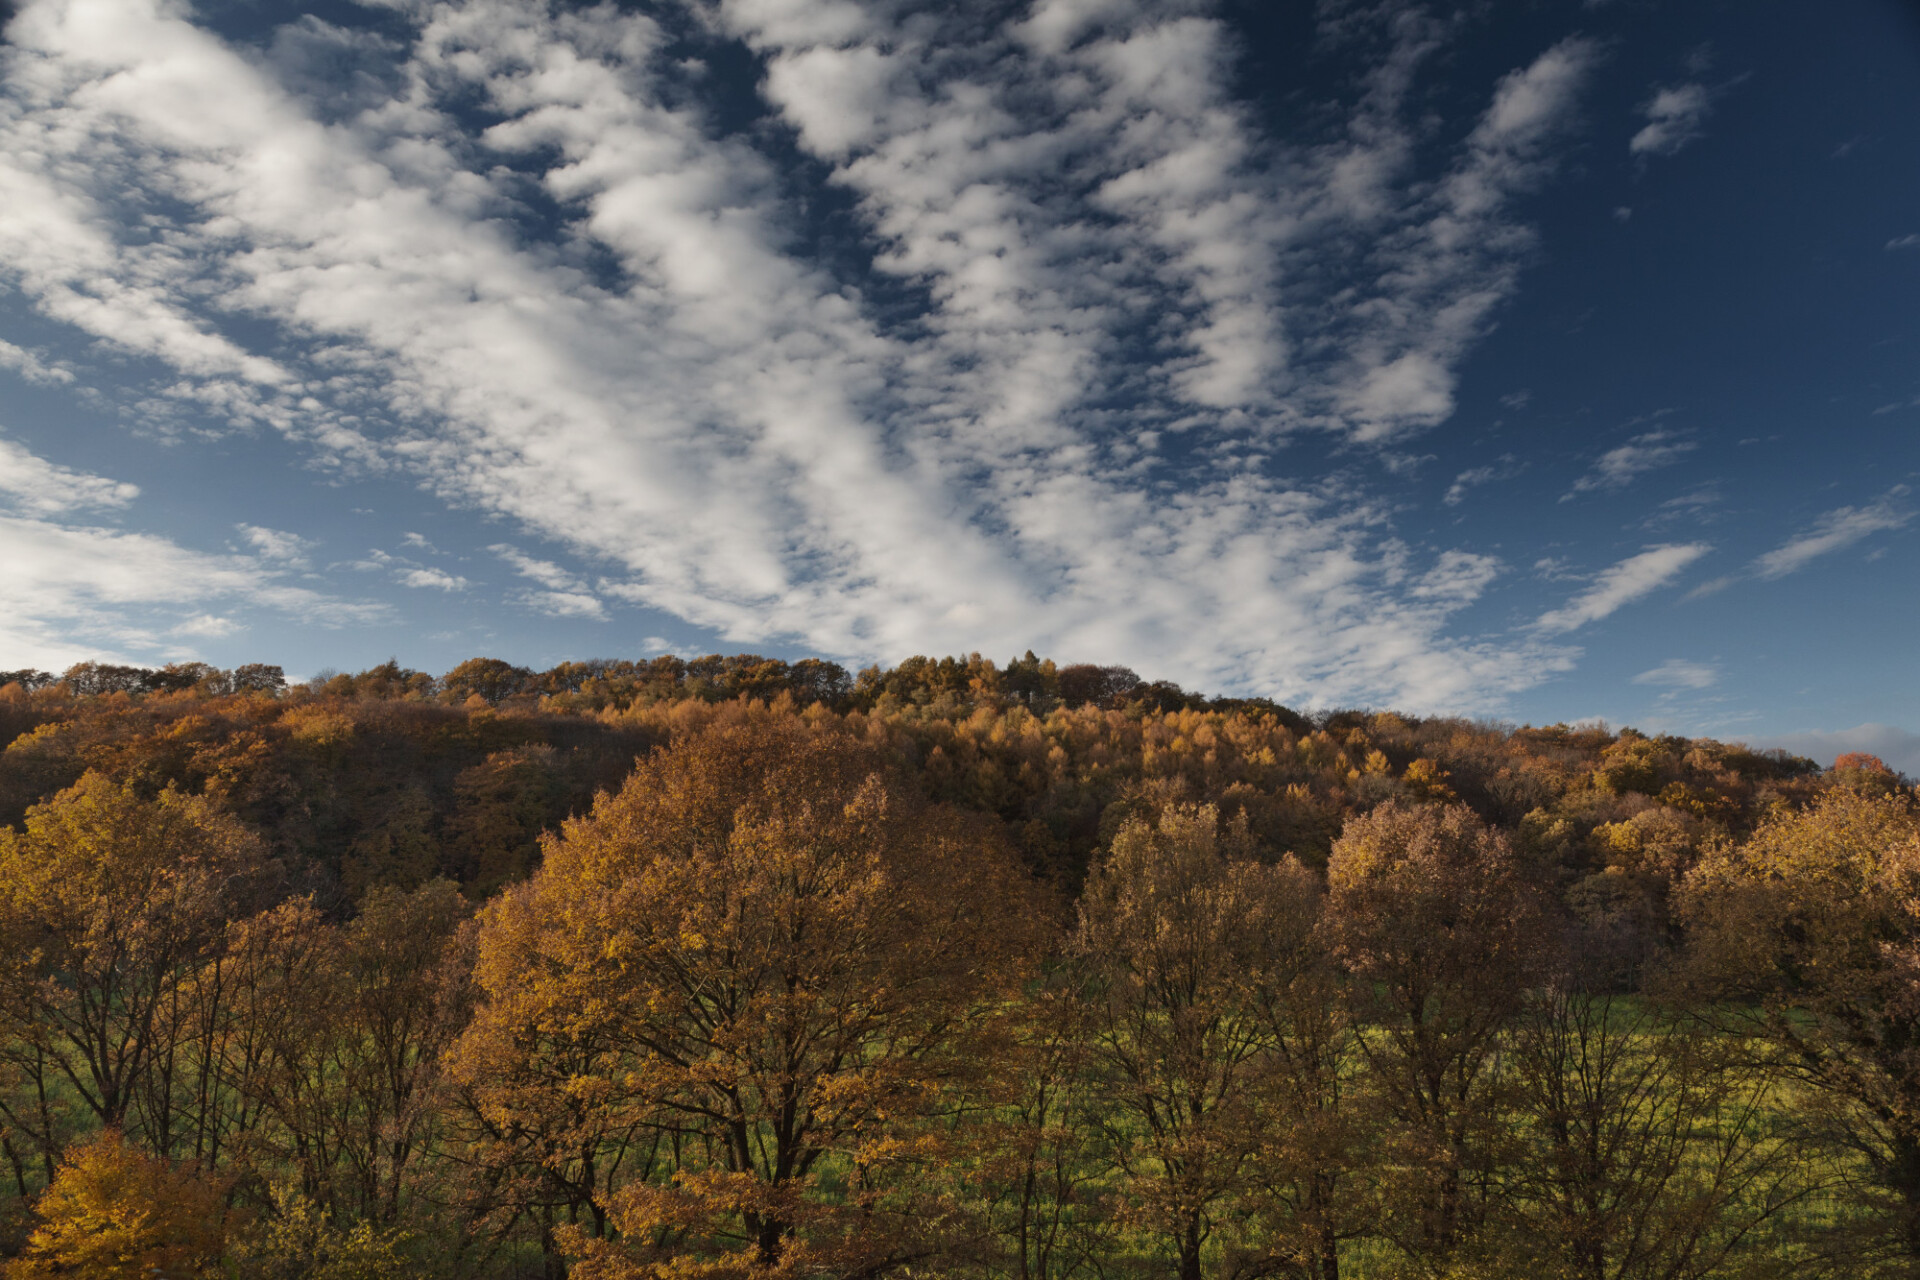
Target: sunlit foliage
{"type": "Point", "coordinates": [743, 968]}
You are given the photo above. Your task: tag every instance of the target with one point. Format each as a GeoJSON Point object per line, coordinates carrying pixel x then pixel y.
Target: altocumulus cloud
{"type": "Point", "coordinates": [1625, 582]}
{"type": "Point", "coordinates": [1095, 237]}
{"type": "Point", "coordinates": [75, 590]}
{"type": "Point", "coordinates": [1834, 531]}
{"type": "Point", "coordinates": [1678, 673]}
{"type": "Point", "coordinates": [1619, 467]}
{"type": "Point", "coordinates": [1675, 116]}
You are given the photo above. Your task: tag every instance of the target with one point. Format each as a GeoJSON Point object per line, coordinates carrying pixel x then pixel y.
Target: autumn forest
{"type": "Point", "coordinates": [740, 969]}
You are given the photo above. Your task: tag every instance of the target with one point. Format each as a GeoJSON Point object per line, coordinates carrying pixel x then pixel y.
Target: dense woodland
{"type": "Point", "coordinates": [734, 968]}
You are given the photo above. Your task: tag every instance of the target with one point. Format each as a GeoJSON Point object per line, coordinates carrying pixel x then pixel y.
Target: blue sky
{"type": "Point", "coordinates": [1535, 360]}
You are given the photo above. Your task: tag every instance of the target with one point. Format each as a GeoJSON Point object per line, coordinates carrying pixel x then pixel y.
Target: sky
{"type": "Point", "coordinates": [1537, 361]}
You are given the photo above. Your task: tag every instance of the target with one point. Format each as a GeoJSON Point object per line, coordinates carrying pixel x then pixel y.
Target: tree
{"type": "Point", "coordinates": [1040, 1160]}
{"type": "Point", "coordinates": [1185, 937]}
{"type": "Point", "coordinates": [114, 1211]}
{"type": "Point", "coordinates": [298, 1241]}
{"type": "Point", "coordinates": [1315, 1140]}
{"type": "Point", "coordinates": [1807, 938]}
{"type": "Point", "coordinates": [489, 679]}
{"type": "Point", "coordinates": [1429, 912]}
{"type": "Point", "coordinates": [1082, 683]}
{"type": "Point", "coordinates": [337, 1036]}
{"type": "Point", "coordinates": [1652, 1152]}
{"type": "Point", "coordinates": [788, 957]}
{"type": "Point", "coordinates": [109, 905]}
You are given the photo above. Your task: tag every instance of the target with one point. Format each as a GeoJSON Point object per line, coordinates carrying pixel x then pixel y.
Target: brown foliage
{"type": "Point", "coordinates": [782, 957]}
{"type": "Point", "coordinates": [1199, 954]}
{"type": "Point", "coordinates": [1433, 916]}
{"type": "Point", "coordinates": [109, 905]}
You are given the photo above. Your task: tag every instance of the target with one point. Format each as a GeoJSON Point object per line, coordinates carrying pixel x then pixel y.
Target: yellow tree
{"type": "Point", "coordinates": [115, 1212]}
{"type": "Point", "coordinates": [298, 1241]}
{"type": "Point", "coordinates": [109, 904]}
{"type": "Point", "coordinates": [1807, 937]}
{"type": "Point", "coordinates": [787, 957]}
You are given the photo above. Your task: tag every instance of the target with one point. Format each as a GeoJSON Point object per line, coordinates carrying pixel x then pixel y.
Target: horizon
{"type": "Point", "coordinates": [1823, 749]}
{"type": "Point", "coordinates": [1540, 364]}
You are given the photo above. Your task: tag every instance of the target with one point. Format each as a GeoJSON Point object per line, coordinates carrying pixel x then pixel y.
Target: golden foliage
{"type": "Point", "coordinates": [298, 1241]}
{"type": "Point", "coordinates": [782, 959]}
{"type": "Point", "coordinates": [116, 1213]}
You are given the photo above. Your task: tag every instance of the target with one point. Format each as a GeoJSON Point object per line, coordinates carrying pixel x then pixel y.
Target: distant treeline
{"type": "Point", "coordinates": [596, 684]}
{"type": "Point", "coordinates": [739, 969]}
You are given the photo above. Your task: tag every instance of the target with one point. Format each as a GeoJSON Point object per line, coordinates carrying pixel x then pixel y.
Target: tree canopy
{"type": "Point", "coordinates": [742, 968]}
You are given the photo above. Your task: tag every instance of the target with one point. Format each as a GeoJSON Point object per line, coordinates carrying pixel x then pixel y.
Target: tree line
{"type": "Point", "coordinates": [945, 969]}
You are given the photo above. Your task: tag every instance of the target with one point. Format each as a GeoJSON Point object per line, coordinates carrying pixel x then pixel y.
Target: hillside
{"type": "Point", "coordinates": [734, 967]}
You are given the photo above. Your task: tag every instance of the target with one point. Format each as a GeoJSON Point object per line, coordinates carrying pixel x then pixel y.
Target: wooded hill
{"type": "Point", "coordinates": [734, 967]}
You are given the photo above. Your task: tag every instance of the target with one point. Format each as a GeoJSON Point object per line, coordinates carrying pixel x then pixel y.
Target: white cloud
{"type": "Point", "coordinates": [1675, 116]}
{"type": "Point", "coordinates": [289, 549]}
{"type": "Point", "coordinates": [1619, 467]}
{"type": "Point", "coordinates": [32, 367]}
{"type": "Point", "coordinates": [563, 604]}
{"type": "Point", "coordinates": [1694, 500]}
{"type": "Point", "coordinates": [1910, 241]}
{"type": "Point", "coordinates": [1443, 274]}
{"type": "Point", "coordinates": [1630, 580]}
{"type": "Point", "coordinates": [207, 626]}
{"type": "Point", "coordinates": [567, 595]}
{"type": "Point", "coordinates": [545, 572]}
{"type": "Point", "coordinates": [1458, 576]}
{"type": "Point", "coordinates": [406, 572]}
{"type": "Point", "coordinates": [1678, 673]}
{"type": "Point", "coordinates": [1101, 233]}
{"type": "Point", "coordinates": [33, 485]}
{"type": "Point", "coordinates": [1834, 531]}
{"type": "Point", "coordinates": [1466, 480]}
{"type": "Point", "coordinates": [1474, 477]}
{"type": "Point", "coordinates": [70, 593]}
{"type": "Point", "coordinates": [431, 579]}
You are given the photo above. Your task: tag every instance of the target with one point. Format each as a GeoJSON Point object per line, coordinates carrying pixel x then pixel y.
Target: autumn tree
{"type": "Point", "coordinates": [333, 1046]}
{"type": "Point", "coordinates": [1651, 1149]}
{"type": "Point", "coordinates": [110, 903]}
{"type": "Point", "coordinates": [1186, 936]}
{"type": "Point", "coordinates": [488, 679]}
{"type": "Point", "coordinates": [790, 956]}
{"type": "Point", "coordinates": [1317, 1140]}
{"type": "Point", "coordinates": [1430, 912]}
{"type": "Point", "coordinates": [1807, 939]}
{"type": "Point", "coordinates": [298, 1240]}
{"type": "Point", "coordinates": [115, 1211]}
{"type": "Point", "coordinates": [1039, 1161]}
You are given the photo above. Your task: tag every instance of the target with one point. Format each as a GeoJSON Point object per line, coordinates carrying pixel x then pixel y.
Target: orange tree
{"type": "Point", "coordinates": [785, 960]}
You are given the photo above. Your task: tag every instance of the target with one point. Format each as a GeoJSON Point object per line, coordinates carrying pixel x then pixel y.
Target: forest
{"type": "Point", "coordinates": [734, 968]}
